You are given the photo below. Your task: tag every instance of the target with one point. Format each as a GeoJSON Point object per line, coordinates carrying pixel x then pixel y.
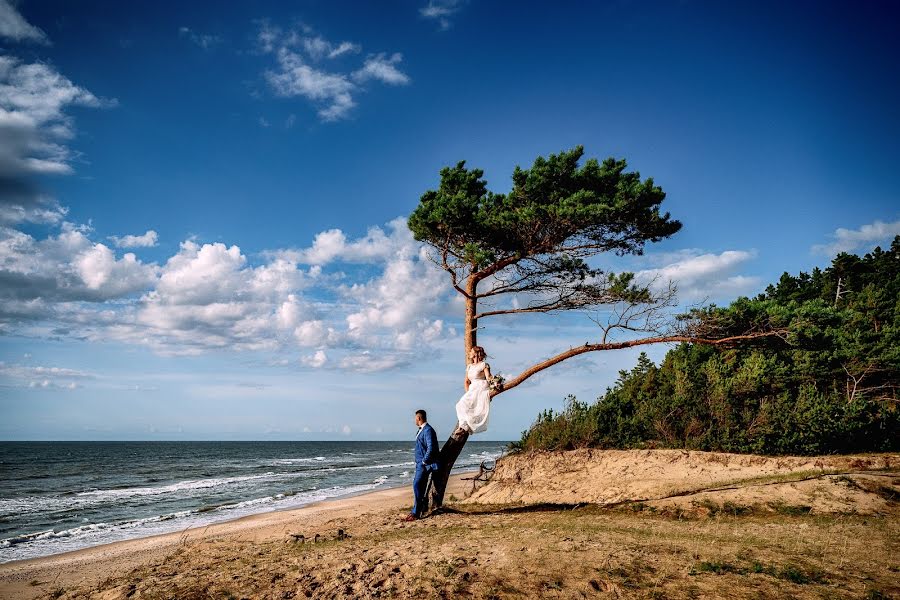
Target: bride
{"type": "Point", "coordinates": [473, 408]}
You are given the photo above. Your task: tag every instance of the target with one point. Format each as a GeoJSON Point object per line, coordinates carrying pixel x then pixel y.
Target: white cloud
{"type": "Point", "coordinates": [211, 297]}
{"type": "Point", "coordinates": [208, 297]}
{"type": "Point", "coordinates": [383, 69]}
{"type": "Point", "coordinates": [13, 26]}
{"type": "Point", "coordinates": [34, 132]}
{"type": "Point", "coordinates": [332, 245]}
{"type": "Point", "coordinates": [41, 377]}
{"type": "Point", "coordinates": [147, 240]}
{"type": "Point", "coordinates": [396, 311]}
{"type": "Point", "coordinates": [318, 47]}
{"type": "Point", "coordinates": [31, 372]}
{"type": "Point", "coordinates": [48, 384]}
{"type": "Point", "coordinates": [441, 11]}
{"type": "Point", "coordinates": [314, 333]}
{"type": "Point", "coordinates": [296, 78]}
{"type": "Point", "coordinates": [704, 275]}
{"type": "Point", "coordinates": [290, 312]}
{"type": "Point", "coordinates": [33, 124]}
{"type": "Point", "coordinates": [68, 266]}
{"type": "Point", "coordinates": [848, 240]}
{"type": "Point", "coordinates": [100, 269]}
{"type": "Point", "coordinates": [316, 360]}
{"type": "Point", "coordinates": [21, 202]}
{"type": "Point", "coordinates": [367, 362]}
{"type": "Point", "coordinates": [332, 91]}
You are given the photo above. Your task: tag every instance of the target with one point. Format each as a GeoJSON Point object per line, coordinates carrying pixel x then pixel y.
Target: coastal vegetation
{"type": "Point", "coordinates": [827, 385]}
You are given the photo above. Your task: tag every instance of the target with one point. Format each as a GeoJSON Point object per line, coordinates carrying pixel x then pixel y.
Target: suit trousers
{"type": "Point", "coordinates": [420, 485]}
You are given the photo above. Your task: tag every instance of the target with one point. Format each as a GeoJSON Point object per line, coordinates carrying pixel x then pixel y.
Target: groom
{"type": "Point", "coordinates": [426, 461]}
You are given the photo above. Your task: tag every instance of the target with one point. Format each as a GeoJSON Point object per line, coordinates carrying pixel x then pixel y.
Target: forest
{"type": "Point", "coordinates": [827, 385]}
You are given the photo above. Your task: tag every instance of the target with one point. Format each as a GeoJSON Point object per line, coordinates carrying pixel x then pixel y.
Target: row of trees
{"type": "Point", "coordinates": [828, 384]}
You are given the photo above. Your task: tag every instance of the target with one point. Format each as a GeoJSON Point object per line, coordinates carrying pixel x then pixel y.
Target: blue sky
{"type": "Point", "coordinates": [202, 207]}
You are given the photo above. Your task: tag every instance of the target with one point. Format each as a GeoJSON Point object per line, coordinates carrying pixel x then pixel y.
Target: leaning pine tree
{"type": "Point", "coordinates": [532, 243]}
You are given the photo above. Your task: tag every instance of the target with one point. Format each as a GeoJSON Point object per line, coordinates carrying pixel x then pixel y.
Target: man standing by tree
{"type": "Point", "coordinates": [426, 461]}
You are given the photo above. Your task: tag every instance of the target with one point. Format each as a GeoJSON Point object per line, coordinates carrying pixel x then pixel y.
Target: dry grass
{"type": "Point", "coordinates": [576, 553]}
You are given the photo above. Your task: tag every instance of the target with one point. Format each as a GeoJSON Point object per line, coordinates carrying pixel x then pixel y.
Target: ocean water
{"type": "Point", "coordinates": [61, 496]}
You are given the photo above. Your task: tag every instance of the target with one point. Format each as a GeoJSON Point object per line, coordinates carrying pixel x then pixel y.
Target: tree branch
{"type": "Point", "coordinates": [494, 267]}
{"type": "Point", "coordinates": [572, 352]}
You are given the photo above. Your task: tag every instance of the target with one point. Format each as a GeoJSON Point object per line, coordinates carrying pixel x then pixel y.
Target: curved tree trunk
{"type": "Point", "coordinates": [450, 451]}
{"type": "Point", "coordinates": [452, 448]}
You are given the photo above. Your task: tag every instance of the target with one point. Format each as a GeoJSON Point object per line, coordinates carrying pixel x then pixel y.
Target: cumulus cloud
{"type": "Point", "coordinates": [211, 296]}
{"type": "Point", "coordinates": [704, 275]}
{"type": "Point", "coordinates": [297, 73]}
{"type": "Point", "coordinates": [13, 26]}
{"type": "Point", "coordinates": [67, 267]}
{"type": "Point", "coordinates": [316, 360]}
{"type": "Point", "coordinates": [864, 238]}
{"type": "Point", "coordinates": [441, 11]}
{"type": "Point", "coordinates": [389, 317]}
{"type": "Point", "coordinates": [332, 245]}
{"type": "Point", "coordinates": [146, 240]}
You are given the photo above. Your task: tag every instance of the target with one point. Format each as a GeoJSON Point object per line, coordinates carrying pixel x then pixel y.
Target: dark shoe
{"type": "Point", "coordinates": [410, 517]}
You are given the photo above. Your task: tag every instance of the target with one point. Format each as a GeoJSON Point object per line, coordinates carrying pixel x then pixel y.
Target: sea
{"type": "Point", "coordinates": [62, 496]}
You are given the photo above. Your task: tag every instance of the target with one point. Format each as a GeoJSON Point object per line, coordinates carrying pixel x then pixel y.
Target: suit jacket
{"type": "Point", "coordinates": [427, 448]}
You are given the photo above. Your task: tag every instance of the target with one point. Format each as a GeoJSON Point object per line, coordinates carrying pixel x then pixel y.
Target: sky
{"type": "Point", "coordinates": [203, 205]}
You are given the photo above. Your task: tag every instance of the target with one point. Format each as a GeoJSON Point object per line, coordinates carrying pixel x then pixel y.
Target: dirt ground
{"type": "Point", "coordinates": [705, 545]}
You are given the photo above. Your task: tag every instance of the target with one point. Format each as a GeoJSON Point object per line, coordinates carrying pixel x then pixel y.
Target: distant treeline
{"type": "Point", "coordinates": [828, 386]}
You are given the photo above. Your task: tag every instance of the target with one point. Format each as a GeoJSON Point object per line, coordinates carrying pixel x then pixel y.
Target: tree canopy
{"type": "Point", "coordinates": [534, 239]}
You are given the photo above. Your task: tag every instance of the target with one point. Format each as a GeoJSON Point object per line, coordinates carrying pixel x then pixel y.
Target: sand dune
{"type": "Point", "coordinates": [861, 484]}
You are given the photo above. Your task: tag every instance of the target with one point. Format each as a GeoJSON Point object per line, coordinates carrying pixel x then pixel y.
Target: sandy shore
{"type": "Point", "coordinates": [85, 568]}
{"type": "Point", "coordinates": [778, 528]}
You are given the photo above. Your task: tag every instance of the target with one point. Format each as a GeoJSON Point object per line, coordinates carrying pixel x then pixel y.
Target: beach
{"type": "Point", "coordinates": [754, 527]}
{"type": "Point", "coordinates": [88, 567]}
{"type": "Point", "coordinates": [57, 497]}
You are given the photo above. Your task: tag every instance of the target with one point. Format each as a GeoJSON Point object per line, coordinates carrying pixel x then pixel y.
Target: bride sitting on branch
{"type": "Point", "coordinates": [473, 407]}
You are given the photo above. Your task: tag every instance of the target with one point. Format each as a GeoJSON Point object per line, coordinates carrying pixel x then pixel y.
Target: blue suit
{"type": "Point", "coordinates": [426, 461]}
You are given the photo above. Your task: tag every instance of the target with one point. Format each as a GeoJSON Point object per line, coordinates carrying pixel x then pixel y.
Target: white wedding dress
{"type": "Point", "coordinates": [473, 408]}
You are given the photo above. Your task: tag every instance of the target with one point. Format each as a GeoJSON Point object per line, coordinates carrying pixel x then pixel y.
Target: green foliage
{"type": "Point", "coordinates": [554, 202]}
{"type": "Point", "coordinates": [831, 389]}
